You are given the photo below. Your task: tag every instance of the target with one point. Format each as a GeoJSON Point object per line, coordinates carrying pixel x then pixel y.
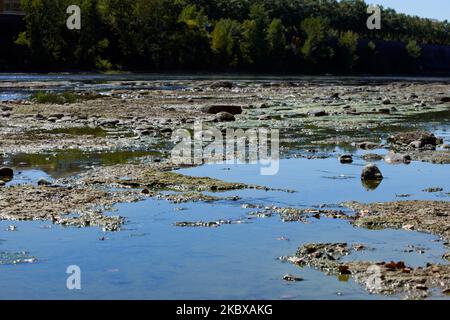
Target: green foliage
{"type": "Point", "coordinates": [276, 39]}
{"type": "Point", "coordinates": [193, 17]}
{"type": "Point", "coordinates": [164, 35]}
{"type": "Point", "coordinates": [225, 41]}
{"type": "Point", "coordinates": [254, 45]}
{"type": "Point", "coordinates": [55, 98]}
{"type": "Point", "coordinates": [413, 49]}
{"type": "Point", "coordinates": [348, 44]}
{"type": "Point", "coordinates": [315, 49]}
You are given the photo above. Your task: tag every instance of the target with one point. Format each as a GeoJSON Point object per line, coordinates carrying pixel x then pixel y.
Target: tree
{"type": "Point", "coordinates": [315, 49]}
{"type": "Point", "coordinates": [225, 41]}
{"type": "Point", "coordinates": [348, 44]}
{"type": "Point", "coordinates": [276, 39]}
{"type": "Point", "coordinates": [413, 49]}
{"type": "Point", "coordinates": [254, 46]}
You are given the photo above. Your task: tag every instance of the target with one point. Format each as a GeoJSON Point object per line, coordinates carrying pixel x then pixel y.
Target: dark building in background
{"type": "Point", "coordinates": [10, 7]}
{"type": "Point", "coordinates": [11, 23]}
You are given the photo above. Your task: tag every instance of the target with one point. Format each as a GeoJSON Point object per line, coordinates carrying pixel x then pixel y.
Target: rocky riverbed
{"type": "Point", "coordinates": [388, 120]}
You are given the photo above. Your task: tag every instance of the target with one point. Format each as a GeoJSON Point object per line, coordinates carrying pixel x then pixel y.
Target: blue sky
{"type": "Point", "coordinates": [435, 9]}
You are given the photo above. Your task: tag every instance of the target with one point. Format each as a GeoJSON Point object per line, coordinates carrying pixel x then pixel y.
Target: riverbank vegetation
{"type": "Point", "coordinates": [226, 35]}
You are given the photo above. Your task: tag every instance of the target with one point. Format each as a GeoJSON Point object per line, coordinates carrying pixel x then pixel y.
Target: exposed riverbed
{"type": "Point", "coordinates": [140, 227]}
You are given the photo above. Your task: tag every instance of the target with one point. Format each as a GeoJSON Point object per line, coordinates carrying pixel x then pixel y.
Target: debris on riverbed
{"type": "Point", "coordinates": [427, 216]}
{"type": "Point", "coordinates": [67, 206]}
{"type": "Point", "coordinates": [16, 258]}
{"type": "Point", "coordinates": [380, 277]}
{"type": "Point", "coordinates": [288, 214]}
{"type": "Point", "coordinates": [157, 177]}
{"type": "Point", "coordinates": [210, 224]}
{"type": "Point", "coordinates": [356, 116]}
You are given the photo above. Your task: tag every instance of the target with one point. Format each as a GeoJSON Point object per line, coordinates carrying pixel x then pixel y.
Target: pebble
{"type": "Point", "coordinates": [292, 278]}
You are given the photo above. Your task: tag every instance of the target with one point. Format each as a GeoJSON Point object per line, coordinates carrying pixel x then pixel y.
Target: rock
{"type": "Point", "coordinates": [6, 108]}
{"type": "Point", "coordinates": [393, 157]}
{"type": "Point", "coordinates": [433, 190]}
{"type": "Point", "coordinates": [386, 101]}
{"type": "Point", "coordinates": [224, 117]}
{"type": "Point", "coordinates": [446, 256]}
{"type": "Point", "coordinates": [343, 269]}
{"type": "Point", "coordinates": [444, 99]}
{"type": "Point", "coordinates": [417, 144]}
{"type": "Point", "coordinates": [66, 119]}
{"type": "Point", "coordinates": [371, 172]}
{"type": "Point", "coordinates": [215, 109]}
{"type": "Point", "coordinates": [416, 139]}
{"type": "Point", "coordinates": [291, 278]}
{"type": "Point", "coordinates": [166, 131]}
{"type": "Point", "coordinates": [39, 117]}
{"type": "Point", "coordinates": [420, 105]}
{"type": "Point", "coordinates": [317, 113]}
{"type": "Point", "coordinates": [56, 115]}
{"type": "Point", "coordinates": [146, 132]}
{"type": "Point", "coordinates": [413, 96]}
{"type": "Point", "coordinates": [334, 95]}
{"type": "Point", "coordinates": [384, 111]}
{"type": "Point", "coordinates": [6, 172]}
{"type": "Point", "coordinates": [372, 157]}
{"type": "Point", "coordinates": [346, 158]}
{"type": "Point", "coordinates": [421, 287]}
{"type": "Point", "coordinates": [264, 117]}
{"type": "Point", "coordinates": [109, 122]}
{"type": "Point", "coordinates": [395, 265]}
{"type": "Point", "coordinates": [367, 145]}
{"type": "Point", "coordinates": [44, 182]}
{"type": "Point", "coordinates": [222, 84]}
{"type": "Point", "coordinates": [2, 183]}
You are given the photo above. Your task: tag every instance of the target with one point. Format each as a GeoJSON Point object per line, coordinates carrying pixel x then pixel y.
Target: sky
{"type": "Point", "coordinates": [435, 9]}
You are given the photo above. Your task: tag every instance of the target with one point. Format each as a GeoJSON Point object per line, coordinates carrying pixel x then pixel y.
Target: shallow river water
{"type": "Point", "coordinates": [151, 258]}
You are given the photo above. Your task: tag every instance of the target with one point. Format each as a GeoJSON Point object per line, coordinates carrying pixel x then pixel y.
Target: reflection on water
{"type": "Point", "coordinates": [70, 162]}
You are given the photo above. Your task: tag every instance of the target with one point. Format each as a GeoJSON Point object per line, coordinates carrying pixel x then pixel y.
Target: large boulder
{"type": "Point", "coordinates": [371, 172]}
{"type": "Point", "coordinates": [215, 109]}
{"type": "Point", "coordinates": [224, 117]}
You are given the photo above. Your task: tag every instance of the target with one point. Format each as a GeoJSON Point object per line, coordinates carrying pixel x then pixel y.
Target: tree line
{"type": "Point", "coordinates": [218, 35]}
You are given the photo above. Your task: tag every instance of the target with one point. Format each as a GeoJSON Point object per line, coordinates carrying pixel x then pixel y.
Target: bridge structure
{"type": "Point", "coordinates": [10, 7]}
